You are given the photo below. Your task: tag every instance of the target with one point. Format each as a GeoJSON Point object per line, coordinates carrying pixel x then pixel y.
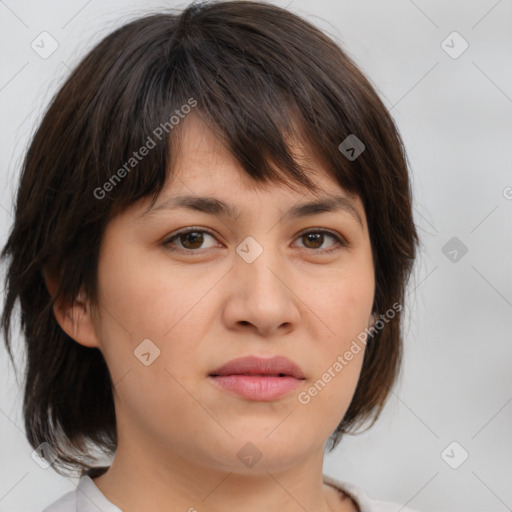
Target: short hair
{"type": "Point", "coordinates": [260, 77]}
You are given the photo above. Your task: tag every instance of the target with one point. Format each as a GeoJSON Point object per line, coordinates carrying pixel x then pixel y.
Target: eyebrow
{"type": "Point", "coordinates": [214, 206]}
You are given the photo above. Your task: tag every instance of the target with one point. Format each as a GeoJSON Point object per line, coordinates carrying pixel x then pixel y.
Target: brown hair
{"type": "Point", "coordinates": [256, 72]}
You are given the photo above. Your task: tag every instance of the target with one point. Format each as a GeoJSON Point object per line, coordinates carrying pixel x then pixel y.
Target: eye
{"type": "Point", "coordinates": [190, 240]}
{"type": "Point", "coordinates": [316, 238]}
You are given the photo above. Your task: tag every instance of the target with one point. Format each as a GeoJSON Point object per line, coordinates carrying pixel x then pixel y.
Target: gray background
{"type": "Point", "coordinates": [455, 115]}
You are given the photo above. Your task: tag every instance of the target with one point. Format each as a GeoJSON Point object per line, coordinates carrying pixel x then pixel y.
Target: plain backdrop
{"type": "Point", "coordinates": [444, 440]}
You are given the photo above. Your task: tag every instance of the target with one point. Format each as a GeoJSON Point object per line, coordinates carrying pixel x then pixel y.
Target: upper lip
{"type": "Point", "coordinates": [252, 365]}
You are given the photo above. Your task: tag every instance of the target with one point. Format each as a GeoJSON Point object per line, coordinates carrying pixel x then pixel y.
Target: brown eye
{"type": "Point", "coordinates": [314, 240]}
{"type": "Point", "coordinates": [191, 240]}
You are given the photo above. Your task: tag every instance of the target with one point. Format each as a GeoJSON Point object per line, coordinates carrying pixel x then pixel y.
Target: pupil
{"type": "Point", "coordinates": [316, 236]}
{"type": "Point", "coordinates": [197, 239]}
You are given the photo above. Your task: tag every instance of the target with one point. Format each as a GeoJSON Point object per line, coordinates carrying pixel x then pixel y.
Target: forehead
{"type": "Point", "coordinates": [207, 178]}
{"type": "Point", "coordinates": [203, 157]}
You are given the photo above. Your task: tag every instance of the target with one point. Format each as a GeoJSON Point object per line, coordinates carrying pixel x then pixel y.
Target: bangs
{"type": "Point", "coordinates": [242, 93]}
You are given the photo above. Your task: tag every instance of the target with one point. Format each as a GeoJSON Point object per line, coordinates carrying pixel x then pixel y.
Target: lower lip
{"type": "Point", "coordinates": [257, 387]}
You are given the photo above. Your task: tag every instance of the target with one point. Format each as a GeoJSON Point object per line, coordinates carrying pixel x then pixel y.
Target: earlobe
{"type": "Point", "coordinates": [51, 282]}
{"type": "Point", "coordinates": [74, 319]}
{"type": "Point", "coordinates": [373, 318]}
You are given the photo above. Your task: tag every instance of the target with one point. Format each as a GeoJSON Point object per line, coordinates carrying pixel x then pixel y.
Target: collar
{"type": "Point", "coordinates": [91, 499]}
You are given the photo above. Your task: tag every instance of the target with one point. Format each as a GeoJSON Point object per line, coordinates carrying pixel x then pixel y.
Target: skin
{"type": "Point", "coordinates": [179, 434]}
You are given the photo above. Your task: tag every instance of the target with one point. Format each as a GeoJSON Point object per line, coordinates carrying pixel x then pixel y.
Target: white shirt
{"type": "Point", "coordinates": [88, 498]}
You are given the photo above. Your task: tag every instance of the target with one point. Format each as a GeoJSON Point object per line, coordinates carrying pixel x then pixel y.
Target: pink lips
{"type": "Point", "coordinates": [259, 379]}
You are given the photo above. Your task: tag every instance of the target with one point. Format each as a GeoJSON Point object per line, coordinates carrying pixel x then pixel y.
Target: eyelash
{"type": "Point", "coordinates": [340, 241]}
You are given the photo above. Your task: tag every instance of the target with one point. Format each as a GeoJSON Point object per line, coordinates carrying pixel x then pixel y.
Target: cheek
{"type": "Point", "coordinates": [342, 301]}
{"type": "Point", "coordinates": [149, 339]}
{"type": "Point", "coordinates": [153, 312]}
{"type": "Point", "coordinates": [337, 367]}
{"type": "Point", "coordinates": [145, 295]}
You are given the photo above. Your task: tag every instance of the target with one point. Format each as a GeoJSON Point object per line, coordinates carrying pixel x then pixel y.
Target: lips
{"type": "Point", "coordinates": [278, 366]}
{"type": "Point", "coordinates": [257, 379]}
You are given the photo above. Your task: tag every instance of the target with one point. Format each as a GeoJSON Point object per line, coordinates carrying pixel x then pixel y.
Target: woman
{"type": "Point", "coordinates": [212, 238]}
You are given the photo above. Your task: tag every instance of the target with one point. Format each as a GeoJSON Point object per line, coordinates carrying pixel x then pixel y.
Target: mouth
{"type": "Point", "coordinates": [253, 375]}
{"type": "Point", "coordinates": [258, 379]}
{"type": "Point", "coordinates": [261, 388]}
{"type": "Point", "coordinates": [277, 366]}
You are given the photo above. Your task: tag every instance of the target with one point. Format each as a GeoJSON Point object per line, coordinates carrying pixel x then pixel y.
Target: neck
{"type": "Point", "coordinates": [140, 479]}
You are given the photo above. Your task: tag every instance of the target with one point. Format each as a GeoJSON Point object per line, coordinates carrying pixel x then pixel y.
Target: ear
{"type": "Point", "coordinates": [74, 319]}
{"type": "Point", "coordinates": [373, 318]}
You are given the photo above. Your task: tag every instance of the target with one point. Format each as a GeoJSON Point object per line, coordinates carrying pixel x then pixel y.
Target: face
{"type": "Point", "coordinates": [176, 306]}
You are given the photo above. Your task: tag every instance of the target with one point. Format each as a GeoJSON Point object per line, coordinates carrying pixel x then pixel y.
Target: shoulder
{"type": "Point", "coordinates": [66, 503]}
{"type": "Point", "coordinates": [364, 502]}
{"type": "Point", "coordinates": [85, 498]}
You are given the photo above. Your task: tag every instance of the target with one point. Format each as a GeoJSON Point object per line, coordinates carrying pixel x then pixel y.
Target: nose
{"type": "Point", "coordinates": [262, 296]}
